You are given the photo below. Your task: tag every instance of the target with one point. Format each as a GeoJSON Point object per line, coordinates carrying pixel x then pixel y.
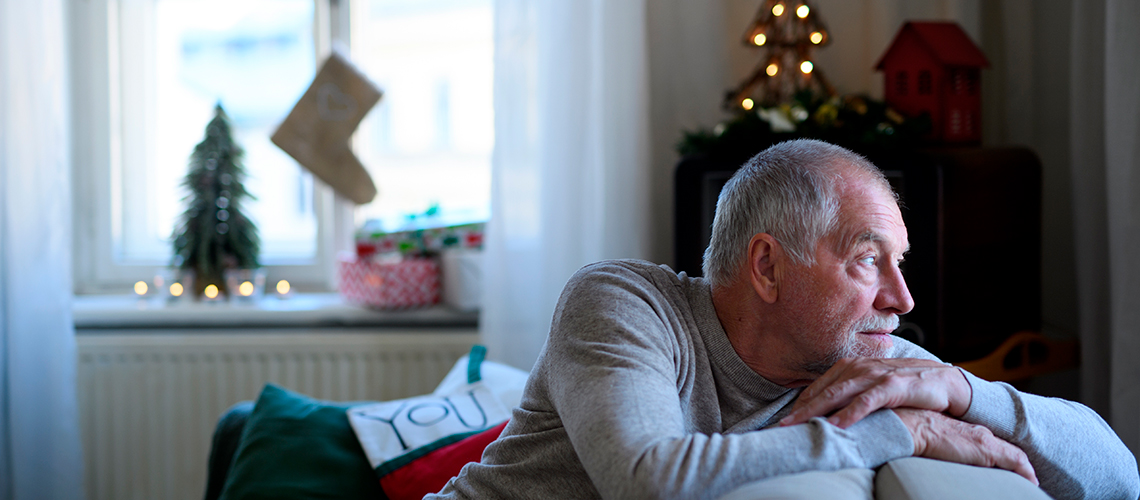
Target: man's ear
{"type": "Point", "coordinates": [764, 252]}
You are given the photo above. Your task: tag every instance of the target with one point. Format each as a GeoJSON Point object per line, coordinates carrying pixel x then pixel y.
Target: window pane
{"type": "Point", "coordinates": [255, 57]}
{"type": "Point", "coordinates": [428, 141]}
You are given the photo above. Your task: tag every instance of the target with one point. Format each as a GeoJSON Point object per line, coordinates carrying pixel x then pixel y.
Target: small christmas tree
{"type": "Point", "coordinates": [213, 234]}
{"type": "Point", "coordinates": [789, 30]}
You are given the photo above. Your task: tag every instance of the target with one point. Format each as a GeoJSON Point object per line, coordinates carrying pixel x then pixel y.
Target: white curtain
{"type": "Point", "coordinates": [39, 435]}
{"type": "Point", "coordinates": [571, 166]}
{"type": "Point", "coordinates": [1105, 136]}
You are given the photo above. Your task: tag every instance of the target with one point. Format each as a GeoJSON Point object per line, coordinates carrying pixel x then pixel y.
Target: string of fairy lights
{"type": "Point", "coordinates": [789, 30]}
{"type": "Point", "coordinates": [246, 288]}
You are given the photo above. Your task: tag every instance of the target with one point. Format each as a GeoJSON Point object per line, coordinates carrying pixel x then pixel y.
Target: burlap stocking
{"type": "Point", "coordinates": [317, 131]}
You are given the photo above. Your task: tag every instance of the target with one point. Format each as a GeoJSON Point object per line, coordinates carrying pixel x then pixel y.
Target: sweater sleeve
{"type": "Point", "coordinates": [615, 362]}
{"type": "Point", "coordinates": [1074, 452]}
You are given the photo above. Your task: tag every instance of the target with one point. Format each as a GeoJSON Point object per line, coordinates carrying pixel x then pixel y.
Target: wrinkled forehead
{"type": "Point", "coordinates": [869, 212]}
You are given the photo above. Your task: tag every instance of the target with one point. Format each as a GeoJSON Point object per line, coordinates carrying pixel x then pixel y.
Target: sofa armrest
{"type": "Point", "coordinates": [227, 437]}
{"type": "Point", "coordinates": [915, 478]}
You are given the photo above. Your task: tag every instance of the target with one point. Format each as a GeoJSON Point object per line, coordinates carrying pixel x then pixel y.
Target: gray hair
{"type": "Point", "coordinates": [790, 191]}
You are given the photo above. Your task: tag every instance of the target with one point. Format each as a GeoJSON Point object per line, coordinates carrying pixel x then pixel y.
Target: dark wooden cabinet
{"type": "Point", "coordinates": [973, 216]}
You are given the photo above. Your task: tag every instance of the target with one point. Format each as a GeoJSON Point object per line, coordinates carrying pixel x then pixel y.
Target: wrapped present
{"type": "Point", "coordinates": [388, 285]}
{"type": "Point", "coordinates": [461, 274]}
{"type": "Point", "coordinates": [425, 236]}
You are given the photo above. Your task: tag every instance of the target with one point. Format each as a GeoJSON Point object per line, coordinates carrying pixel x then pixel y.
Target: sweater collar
{"type": "Point", "coordinates": [723, 356]}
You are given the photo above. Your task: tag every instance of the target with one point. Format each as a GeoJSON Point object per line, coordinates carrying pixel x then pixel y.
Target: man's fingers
{"type": "Point", "coordinates": [940, 437]}
{"type": "Point", "coordinates": [1012, 458]}
{"type": "Point", "coordinates": [831, 398]}
{"type": "Point", "coordinates": [859, 408]}
{"type": "Point", "coordinates": [886, 392]}
{"type": "Point", "coordinates": [856, 387]}
{"type": "Point", "coordinates": [996, 452]}
{"type": "Point", "coordinates": [821, 383]}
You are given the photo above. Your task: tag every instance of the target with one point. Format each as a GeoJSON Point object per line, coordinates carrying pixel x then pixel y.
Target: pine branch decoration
{"type": "Point", "coordinates": [214, 234]}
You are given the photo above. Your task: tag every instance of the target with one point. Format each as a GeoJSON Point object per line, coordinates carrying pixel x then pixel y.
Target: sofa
{"type": "Point", "coordinates": [291, 446]}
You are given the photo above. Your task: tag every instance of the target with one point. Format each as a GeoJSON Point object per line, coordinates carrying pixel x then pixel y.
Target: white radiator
{"type": "Point", "coordinates": [149, 402]}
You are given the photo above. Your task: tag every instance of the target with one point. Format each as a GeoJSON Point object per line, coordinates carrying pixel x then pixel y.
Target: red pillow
{"type": "Point", "coordinates": [429, 473]}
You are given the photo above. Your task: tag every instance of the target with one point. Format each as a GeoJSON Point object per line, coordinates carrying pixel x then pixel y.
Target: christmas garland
{"type": "Point", "coordinates": [855, 122]}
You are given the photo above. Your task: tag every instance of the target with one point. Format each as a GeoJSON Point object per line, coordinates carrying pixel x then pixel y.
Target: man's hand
{"type": "Point", "coordinates": [858, 386]}
{"type": "Point", "coordinates": [943, 438]}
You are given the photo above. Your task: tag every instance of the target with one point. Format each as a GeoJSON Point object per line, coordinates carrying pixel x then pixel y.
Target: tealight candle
{"type": "Point", "coordinates": [283, 289]}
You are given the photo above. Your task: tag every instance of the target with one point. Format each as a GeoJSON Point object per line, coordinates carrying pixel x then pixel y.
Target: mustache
{"type": "Point", "coordinates": [876, 323]}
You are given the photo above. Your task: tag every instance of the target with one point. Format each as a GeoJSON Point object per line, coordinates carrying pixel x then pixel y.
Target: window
{"type": "Point", "coordinates": [429, 139]}
{"type": "Point", "coordinates": [147, 74]}
{"type": "Point", "coordinates": [956, 127]}
{"type": "Point", "coordinates": [965, 81]}
{"type": "Point", "coordinates": [901, 83]}
{"type": "Point", "coordinates": [925, 83]}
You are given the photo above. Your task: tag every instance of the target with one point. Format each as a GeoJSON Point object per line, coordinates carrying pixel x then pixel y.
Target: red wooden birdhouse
{"type": "Point", "coordinates": [933, 67]}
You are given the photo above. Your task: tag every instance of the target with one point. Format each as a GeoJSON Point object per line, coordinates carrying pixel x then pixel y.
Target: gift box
{"type": "Point", "coordinates": [430, 236]}
{"type": "Point", "coordinates": [388, 285]}
{"type": "Point", "coordinates": [461, 274]}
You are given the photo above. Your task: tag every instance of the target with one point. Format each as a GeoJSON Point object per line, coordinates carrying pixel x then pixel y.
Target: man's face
{"type": "Point", "coordinates": [849, 301]}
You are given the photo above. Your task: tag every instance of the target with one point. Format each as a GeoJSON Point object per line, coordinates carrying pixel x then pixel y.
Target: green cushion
{"type": "Point", "coordinates": [294, 446]}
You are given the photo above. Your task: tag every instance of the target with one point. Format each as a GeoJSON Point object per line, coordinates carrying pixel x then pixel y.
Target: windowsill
{"type": "Point", "coordinates": [105, 312]}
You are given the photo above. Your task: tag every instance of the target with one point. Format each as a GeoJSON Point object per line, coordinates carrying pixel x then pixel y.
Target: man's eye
{"type": "Point", "coordinates": [869, 260]}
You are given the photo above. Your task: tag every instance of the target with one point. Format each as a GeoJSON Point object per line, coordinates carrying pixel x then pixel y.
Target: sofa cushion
{"type": "Point", "coordinates": [917, 478]}
{"type": "Point", "coordinates": [429, 473]}
{"type": "Point", "coordinates": [845, 484]}
{"type": "Point", "coordinates": [415, 445]}
{"type": "Point", "coordinates": [294, 446]}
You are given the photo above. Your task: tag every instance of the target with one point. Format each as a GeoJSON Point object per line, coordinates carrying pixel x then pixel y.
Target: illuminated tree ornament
{"type": "Point", "coordinates": [214, 234]}
{"type": "Point", "coordinates": [788, 42]}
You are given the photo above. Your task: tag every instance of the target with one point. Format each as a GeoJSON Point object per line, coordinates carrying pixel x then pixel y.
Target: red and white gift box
{"type": "Point", "coordinates": [395, 285]}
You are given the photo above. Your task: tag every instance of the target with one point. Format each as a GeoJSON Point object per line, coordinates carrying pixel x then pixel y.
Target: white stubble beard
{"type": "Point", "coordinates": [853, 347]}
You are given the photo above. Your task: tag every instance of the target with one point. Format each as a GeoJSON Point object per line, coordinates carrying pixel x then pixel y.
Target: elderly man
{"type": "Point", "coordinates": [659, 385]}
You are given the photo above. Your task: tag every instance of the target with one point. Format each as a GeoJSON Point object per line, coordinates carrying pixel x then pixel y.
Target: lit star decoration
{"type": "Point", "coordinates": [788, 30]}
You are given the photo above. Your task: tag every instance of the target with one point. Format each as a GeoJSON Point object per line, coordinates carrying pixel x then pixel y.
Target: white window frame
{"type": "Point", "coordinates": [97, 106]}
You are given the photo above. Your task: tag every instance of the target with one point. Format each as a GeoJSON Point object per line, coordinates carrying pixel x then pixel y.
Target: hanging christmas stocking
{"type": "Point", "coordinates": [317, 130]}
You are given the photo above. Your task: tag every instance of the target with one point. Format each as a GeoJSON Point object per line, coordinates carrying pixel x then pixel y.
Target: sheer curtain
{"type": "Point", "coordinates": [39, 434]}
{"type": "Point", "coordinates": [1105, 154]}
{"type": "Point", "coordinates": [571, 174]}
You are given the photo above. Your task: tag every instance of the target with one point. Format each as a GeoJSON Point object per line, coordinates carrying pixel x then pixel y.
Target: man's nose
{"type": "Point", "coordinates": [894, 296]}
